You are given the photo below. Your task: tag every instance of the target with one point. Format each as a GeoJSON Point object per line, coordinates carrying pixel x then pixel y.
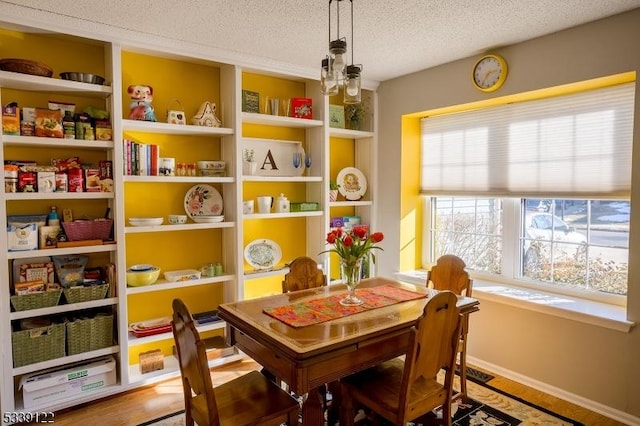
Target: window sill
{"type": "Point", "coordinates": [586, 311]}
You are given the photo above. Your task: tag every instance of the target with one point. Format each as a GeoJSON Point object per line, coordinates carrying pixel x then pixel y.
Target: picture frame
{"type": "Point", "coordinates": [336, 116]}
{"type": "Point", "coordinates": [302, 107]}
{"type": "Point", "coordinates": [250, 101]}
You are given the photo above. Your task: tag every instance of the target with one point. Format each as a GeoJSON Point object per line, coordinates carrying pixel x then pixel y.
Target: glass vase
{"type": "Point", "coordinates": [351, 273]}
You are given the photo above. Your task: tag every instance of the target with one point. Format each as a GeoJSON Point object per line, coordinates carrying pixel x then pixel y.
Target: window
{"type": "Point", "coordinates": [574, 244]}
{"type": "Point", "coordinates": [536, 191]}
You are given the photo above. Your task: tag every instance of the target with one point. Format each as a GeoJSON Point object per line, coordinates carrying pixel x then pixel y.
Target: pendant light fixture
{"type": "Point", "coordinates": [334, 71]}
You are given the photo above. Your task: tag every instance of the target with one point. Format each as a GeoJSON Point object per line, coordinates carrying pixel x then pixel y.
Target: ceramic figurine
{"type": "Point", "coordinates": [206, 116]}
{"type": "Point", "coordinates": [140, 107]}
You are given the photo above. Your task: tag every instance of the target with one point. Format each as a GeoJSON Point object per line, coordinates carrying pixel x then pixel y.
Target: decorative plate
{"type": "Point", "coordinates": [262, 254]}
{"type": "Point", "coordinates": [207, 219]}
{"type": "Point", "coordinates": [352, 183]}
{"type": "Point", "coordinates": [202, 200]}
{"type": "Point", "coordinates": [145, 221]}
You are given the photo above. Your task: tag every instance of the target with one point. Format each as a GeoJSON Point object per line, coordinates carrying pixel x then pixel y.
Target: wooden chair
{"type": "Point", "coordinates": [303, 274]}
{"type": "Point", "coordinates": [449, 274]}
{"type": "Point", "coordinates": [403, 390]}
{"type": "Point", "coordinates": [249, 399]}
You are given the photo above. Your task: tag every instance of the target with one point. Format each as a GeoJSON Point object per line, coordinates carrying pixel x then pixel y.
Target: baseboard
{"type": "Point", "coordinates": [594, 406]}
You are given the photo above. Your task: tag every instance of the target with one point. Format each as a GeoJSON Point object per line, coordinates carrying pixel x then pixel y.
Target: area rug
{"type": "Point", "coordinates": [487, 406]}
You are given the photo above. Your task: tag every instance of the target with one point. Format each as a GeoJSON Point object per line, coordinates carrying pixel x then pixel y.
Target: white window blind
{"type": "Point", "coordinates": [573, 145]}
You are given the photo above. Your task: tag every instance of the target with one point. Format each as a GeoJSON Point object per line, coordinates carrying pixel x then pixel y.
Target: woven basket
{"type": "Point", "coordinates": [45, 299]}
{"type": "Point", "coordinates": [88, 229]}
{"type": "Point", "coordinates": [25, 66]}
{"type": "Point", "coordinates": [37, 344]}
{"type": "Point", "coordinates": [89, 334]}
{"type": "Point", "coordinates": [80, 294]}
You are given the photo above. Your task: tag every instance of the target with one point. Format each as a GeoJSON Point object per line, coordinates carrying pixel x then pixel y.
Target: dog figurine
{"type": "Point", "coordinates": [140, 107]}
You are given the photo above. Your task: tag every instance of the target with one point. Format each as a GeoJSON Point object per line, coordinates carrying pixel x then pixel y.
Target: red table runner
{"type": "Point", "coordinates": [315, 311]}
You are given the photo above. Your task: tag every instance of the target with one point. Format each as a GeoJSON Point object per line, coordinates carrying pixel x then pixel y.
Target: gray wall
{"type": "Point", "coordinates": [592, 362]}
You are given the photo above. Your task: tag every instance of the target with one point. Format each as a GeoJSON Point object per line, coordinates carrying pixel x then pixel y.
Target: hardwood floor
{"type": "Point", "coordinates": [150, 402]}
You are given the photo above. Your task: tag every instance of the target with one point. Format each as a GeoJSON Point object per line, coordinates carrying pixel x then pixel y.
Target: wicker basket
{"type": "Point", "coordinates": [37, 344]}
{"type": "Point", "coordinates": [88, 229]}
{"type": "Point", "coordinates": [79, 294]}
{"type": "Point", "coordinates": [89, 334]}
{"type": "Point", "coordinates": [25, 66]}
{"type": "Point", "coordinates": [45, 299]}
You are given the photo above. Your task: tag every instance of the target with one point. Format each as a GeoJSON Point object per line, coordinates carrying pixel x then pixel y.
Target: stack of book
{"type": "Point", "coordinates": [140, 159]}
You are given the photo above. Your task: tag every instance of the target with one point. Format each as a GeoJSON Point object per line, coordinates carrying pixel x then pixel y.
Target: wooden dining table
{"type": "Point", "coordinates": [308, 357]}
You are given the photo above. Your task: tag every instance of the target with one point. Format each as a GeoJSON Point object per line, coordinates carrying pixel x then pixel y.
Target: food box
{"type": "Point", "coordinates": [106, 176]}
{"type": "Point", "coordinates": [350, 221]}
{"type": "Point", "coordinates": [182, 275]}
{"type": "Point", "coordinates": [48, 123]}
{"type": "Point", "coordinates": [49, 236]}
{"type": "Point", "coordinates": [10, 120]}
{"type": "Point", "coordinates": [92, 179]}
{"type": "Point", "coordinates": [50, 386]}
{"type": "Point", "coordinates": [302, 107]}
{"type": "Point", "coordinates": [304, 207]}
{"type": "Point", "coordinates": [34, 271]}
{"type": "Point", "coordinates": [22, 238]}
{"type": "Point", "coordinates": [46, 181]}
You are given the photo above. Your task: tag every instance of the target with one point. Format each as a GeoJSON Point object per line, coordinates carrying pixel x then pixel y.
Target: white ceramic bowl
{"type": "Point", "coordinates": [176, 219]}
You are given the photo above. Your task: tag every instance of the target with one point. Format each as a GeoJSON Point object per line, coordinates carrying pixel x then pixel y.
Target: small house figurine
{"type": "Point", "coordinates": [206, 116]}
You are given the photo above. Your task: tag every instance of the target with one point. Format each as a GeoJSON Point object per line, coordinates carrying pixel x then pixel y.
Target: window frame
{"type": "Point", "coordinates": [511, 260]}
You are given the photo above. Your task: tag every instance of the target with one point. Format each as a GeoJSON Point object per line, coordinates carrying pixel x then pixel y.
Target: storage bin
{"type": "Point", "coordinates": [45, 299]}
{"type": "Point", "coordinates": [89, 334]}
{"type": "Point", "coordinates": [88, 229]}
{"type": "Point", "coordinates": [80, 294]}
{"type": "Point", "coordinates": [38, 344]}
{"type": "Point", "coordinates": [48, 386]}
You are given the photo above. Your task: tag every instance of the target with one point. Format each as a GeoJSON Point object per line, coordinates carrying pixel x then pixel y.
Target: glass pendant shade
{"type": "Point", "coordinates": [328, 80]}
{"type": "Point", "coordinates": [352, 81]}
{"type": "Point", "coordinates": [337, 59]}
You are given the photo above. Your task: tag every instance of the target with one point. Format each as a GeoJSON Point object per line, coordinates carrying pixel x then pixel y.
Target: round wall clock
{"type": "Point", "coordinates": [489, 73]}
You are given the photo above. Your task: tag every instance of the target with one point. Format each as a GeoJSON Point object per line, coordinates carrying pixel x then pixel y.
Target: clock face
{"type": "Point", "coordinates": [489, 73]}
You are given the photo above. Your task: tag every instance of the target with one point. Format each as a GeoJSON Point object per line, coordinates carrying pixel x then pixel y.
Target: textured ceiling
{"type": "Point", "coordinates": [392, 37]}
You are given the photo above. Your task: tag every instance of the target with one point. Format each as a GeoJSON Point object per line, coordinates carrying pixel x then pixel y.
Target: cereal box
{"type": "Point", "coordinates": [11, 120]}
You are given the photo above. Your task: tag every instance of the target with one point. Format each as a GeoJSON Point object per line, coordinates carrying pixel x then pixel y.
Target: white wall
{"type": "Point", "coordinates": [594, 363]}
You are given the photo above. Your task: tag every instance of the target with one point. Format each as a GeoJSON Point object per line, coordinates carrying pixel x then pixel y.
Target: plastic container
{"type": "Point", "coordinates": [182, 275]}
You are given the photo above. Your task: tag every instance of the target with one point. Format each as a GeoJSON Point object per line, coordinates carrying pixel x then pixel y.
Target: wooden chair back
{"type": "Point", "coordinates": [449, 274]}
{"type": "Point", "coordinates": [405, 390]}
{"type": "Point", "coordinates": [199, 397]}
{"type": "Point", "coordinates": [303, 274]}
{"type": "Point", "coordinates": [433, 348]}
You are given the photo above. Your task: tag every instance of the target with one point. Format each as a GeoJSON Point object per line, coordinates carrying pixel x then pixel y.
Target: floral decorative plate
{"type": "Point", "coordinates": [202, 200]}
{"type": "Point", "coordinates": [352, 183]}
{"type": "Point", "coordinates": [262, 254]}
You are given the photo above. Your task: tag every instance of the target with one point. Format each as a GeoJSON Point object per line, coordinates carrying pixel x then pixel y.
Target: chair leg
{"type": "Point", "coordinates": [463, 371]}
{"type": "Point", "coordinates": [346, 407]}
